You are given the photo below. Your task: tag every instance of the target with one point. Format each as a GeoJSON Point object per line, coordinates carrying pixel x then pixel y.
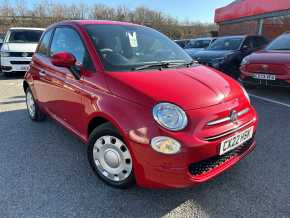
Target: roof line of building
{"type": "Point", "coordinates": [257, 17]}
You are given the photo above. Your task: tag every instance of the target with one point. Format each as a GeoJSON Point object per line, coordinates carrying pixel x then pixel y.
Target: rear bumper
{"type": "Point", "coordinates": [283, 83]}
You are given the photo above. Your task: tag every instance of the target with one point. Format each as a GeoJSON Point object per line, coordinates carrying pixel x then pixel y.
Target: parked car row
{"type": "Point", "coordinates": [249, 59]}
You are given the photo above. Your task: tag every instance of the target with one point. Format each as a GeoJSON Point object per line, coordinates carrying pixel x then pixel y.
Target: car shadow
{"type": "Point", "coordinates": [45, 173]}
{"type": "Point", "coordinates": [11, 77]}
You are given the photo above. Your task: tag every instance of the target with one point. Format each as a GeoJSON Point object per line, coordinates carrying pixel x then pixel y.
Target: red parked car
{"type": "Point", "coordinates": [147, 113]}
{"type": "Point", "coordinates": [269, 67]}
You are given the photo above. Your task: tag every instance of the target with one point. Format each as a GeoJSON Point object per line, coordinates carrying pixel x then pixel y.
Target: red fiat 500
{"type": "Point", "coordinates": [147, 113]}
{"type": "Point", "coordinates": [269, 67]}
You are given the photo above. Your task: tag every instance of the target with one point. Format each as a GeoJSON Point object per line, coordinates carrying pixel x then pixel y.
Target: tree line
{"type": "Point", "coordinates": [45, 12]}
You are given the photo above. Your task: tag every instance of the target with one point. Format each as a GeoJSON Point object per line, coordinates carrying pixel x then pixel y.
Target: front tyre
{"type": "Point", "coordinates": [110, 157]}
{"type": "Point", "coordinates": [32, 108]}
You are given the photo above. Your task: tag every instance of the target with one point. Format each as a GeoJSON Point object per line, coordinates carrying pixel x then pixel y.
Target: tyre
{"type": "Point", "coordinates": [32, 108]}
{"type": "Point", "coordinates": [110, 157]}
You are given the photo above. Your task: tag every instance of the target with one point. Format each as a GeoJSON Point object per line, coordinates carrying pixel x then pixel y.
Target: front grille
{"type": "Point", "coordinates": [21, 54]}
{"type": "Point", "coordinates": [203, 167]}
{"type": "Point", "coordinates": [20, 62]}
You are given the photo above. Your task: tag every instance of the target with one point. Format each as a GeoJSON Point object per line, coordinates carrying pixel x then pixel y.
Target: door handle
{"type": "Point", "coordinates": [42, 73]}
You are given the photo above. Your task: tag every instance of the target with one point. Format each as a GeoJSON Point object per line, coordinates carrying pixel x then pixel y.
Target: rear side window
{"type": "Point", "coordinates": [44, 44]}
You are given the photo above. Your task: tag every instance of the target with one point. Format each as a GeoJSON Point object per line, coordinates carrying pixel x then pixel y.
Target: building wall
{"type": "Point", "coordinates": [241, 28]}
{"type": "Point", "coordinates": [273, 27]}
{"type": "Point", "coordinates": [270, 27]}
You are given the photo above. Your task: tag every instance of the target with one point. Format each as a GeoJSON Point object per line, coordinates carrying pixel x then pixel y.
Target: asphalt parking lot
{"type": "Point", "coordinates": [44, 171]}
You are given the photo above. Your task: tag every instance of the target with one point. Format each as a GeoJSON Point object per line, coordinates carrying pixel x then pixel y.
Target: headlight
{"type": "Point", "coordinates": [170, 116]}
{"type": "Point", "coordinates": [246, 94]}
{"type": "Point", "coordinates": [165, 145]}
{"type": "Point", "coordinates": [245, 61]}
{"type": "Point", "coordinates": [5, 54]}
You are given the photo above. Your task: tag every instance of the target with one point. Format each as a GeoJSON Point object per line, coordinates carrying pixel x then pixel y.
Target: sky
{"type": "Point", "coordinates": [198, 10]}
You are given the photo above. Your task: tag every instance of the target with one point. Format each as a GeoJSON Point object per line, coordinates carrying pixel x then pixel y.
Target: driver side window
{"type": "Point", "coordinates": [66, 39]}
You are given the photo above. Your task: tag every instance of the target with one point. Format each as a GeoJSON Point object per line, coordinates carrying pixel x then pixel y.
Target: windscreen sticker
{"type": "Point", "coordinates": [133, 39]}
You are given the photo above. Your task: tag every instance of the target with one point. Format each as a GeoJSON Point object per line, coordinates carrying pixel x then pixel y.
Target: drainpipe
{"type": "Point", "coordinates": [260, 26]}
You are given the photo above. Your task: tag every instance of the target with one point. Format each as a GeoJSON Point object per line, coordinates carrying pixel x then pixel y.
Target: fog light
{"type": "Point", "coordinates": [165, 145]}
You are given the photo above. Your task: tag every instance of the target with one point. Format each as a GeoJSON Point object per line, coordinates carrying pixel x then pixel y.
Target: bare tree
{"type": "Point", "coordinates": [46, 12]}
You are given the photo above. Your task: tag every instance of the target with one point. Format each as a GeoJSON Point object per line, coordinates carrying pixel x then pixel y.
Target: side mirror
{"type": "Point", "coordinates": [68, 60]}
{"type": "Point", "coordinates": [63, 59]}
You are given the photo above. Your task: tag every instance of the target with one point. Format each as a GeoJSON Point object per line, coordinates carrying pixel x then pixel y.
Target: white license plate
{"type": "Point", "coordinates": [264, 76]}
{"type": "Point", "coordinates": [24, 68]}
{"type": "Point", "coordinates": [237, 140]}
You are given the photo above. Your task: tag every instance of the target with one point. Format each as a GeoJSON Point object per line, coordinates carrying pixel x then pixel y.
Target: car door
{"type": "Point", "coordinates": [41, 83]}
{"type": "Point", "coordinates": [65, 92]}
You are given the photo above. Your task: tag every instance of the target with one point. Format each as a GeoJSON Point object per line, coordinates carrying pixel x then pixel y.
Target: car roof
{"type": "Point", "coordinates": [181, 40]}
{"type": "Point", "coordinates": [238, 36]}
{"type": "Point", "coordinates": [26, 28]}
{"type": "Point", "coordinates": [87, 22]}
{"type": "Point", "coordinates": [203, 38]}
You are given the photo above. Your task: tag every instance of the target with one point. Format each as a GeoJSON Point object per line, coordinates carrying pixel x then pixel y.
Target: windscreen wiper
{"type": "Point", "coordinates": [164, 64]}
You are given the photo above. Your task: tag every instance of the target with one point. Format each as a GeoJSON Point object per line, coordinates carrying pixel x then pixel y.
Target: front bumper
{"type": "Point", "coordinates": [169, 176]}
{"type": "Point", "coordinates": [199, 159]}
{"type": "Point", "coordinates": [15, 64]}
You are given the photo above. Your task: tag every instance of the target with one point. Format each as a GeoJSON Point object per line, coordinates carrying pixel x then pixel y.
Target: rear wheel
{"type": "Point", "coordinates": [32, 108]}
{"type": "Point", "coordinates": [110, 157]}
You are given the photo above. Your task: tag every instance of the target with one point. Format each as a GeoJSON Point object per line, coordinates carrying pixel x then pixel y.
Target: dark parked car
{"type": "Point", "coordinates": [198, 44]}
{"type": "Point", "coordinates": [227, 53]}
{"type": "Point", "coordinates": [182, 42]}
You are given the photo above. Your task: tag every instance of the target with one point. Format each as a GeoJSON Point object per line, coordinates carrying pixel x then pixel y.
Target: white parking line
{"type": "Point", "coordinates": [270, 100]}
{"type": "Point", "coordinates": [11, 100]}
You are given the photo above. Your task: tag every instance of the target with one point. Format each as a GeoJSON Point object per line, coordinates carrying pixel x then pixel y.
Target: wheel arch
{"type": "Point", "coordinates": [99, 119]}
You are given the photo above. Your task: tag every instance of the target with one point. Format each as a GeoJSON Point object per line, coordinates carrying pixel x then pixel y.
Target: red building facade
{"type": "Point", "coordinates": [265, 17]}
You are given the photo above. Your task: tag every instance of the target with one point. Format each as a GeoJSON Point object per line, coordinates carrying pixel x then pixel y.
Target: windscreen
{"type": "Point", "coordinates": [226, 44]}
{"type": "Point", "coordinates": [24, 36]}
{"type": "Point", "coordinates": [124, 47]}
{"type": "Point", "coordinates": [280, 43]}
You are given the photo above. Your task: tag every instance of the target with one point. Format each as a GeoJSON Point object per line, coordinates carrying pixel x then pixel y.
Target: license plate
{"type": "Point", "coordinates": [24, 68]}
{"type": "Point", "coordinates": [236, 141]}
{"type": "Point", "coordinates": [264, 76]}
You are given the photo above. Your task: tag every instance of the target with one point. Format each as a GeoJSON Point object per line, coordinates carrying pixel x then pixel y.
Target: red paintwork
{"type": "Point", "coordinates": [63, 59]}
{"type": "Point", "coordinates": [246, 8]}
{"type": "Point", "coordinates": [126, 100]}
{"type": "Point", "coordinates": [268, 62]}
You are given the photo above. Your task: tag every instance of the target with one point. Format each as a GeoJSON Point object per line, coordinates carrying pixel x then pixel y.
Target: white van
{"type": "Point", "coordinates": [18, 47]}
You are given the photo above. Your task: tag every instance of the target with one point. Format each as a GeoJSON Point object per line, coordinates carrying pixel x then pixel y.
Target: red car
{"type": "Point", "coordinates": [269, 67]}
{"type": "Point", "coordinates": [147, 112]}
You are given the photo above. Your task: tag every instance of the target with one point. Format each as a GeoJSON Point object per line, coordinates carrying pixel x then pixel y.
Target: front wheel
{"type": "Point", "coordinates": [110, 157]}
